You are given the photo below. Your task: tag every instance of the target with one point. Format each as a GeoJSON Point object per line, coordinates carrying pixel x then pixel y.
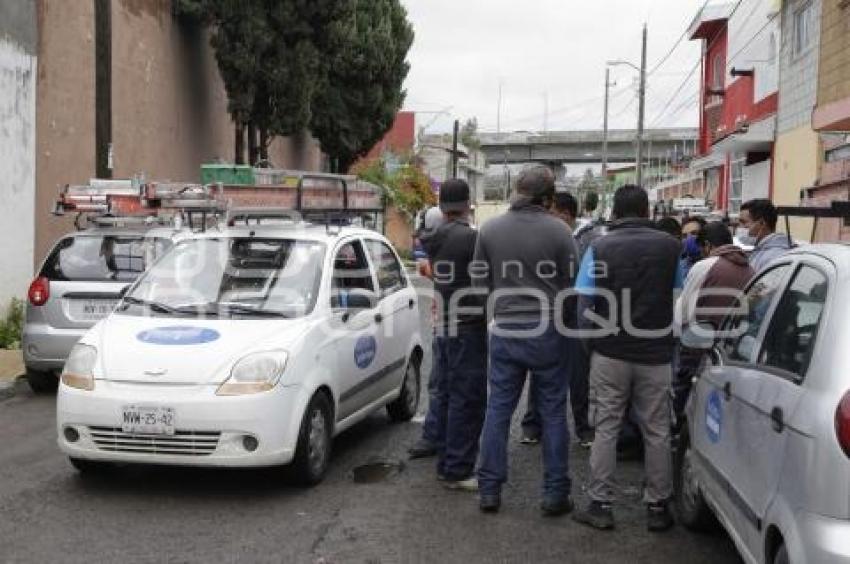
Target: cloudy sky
{"type": "Point", "coordinates": [555, 49]}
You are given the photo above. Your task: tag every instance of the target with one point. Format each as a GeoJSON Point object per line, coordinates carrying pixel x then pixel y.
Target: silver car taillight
{"type": "Point", "coordinates": [842, 423]}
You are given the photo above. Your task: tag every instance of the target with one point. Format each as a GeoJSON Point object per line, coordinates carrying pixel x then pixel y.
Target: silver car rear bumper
{"type": "Point", "coordinates": [46, 348]}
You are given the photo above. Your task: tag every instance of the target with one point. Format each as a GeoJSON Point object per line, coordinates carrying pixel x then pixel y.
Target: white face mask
{"type": "Point", "coordinates": [744, 237]}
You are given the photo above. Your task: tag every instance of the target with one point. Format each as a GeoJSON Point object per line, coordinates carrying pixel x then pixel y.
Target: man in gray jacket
{"type": "Point", "coordinates": [758, 217]}
{"type": "Point", "coordinates": [526, 258]}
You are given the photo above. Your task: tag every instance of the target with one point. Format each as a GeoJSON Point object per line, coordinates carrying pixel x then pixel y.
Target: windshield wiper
{"type": "Point", "coordinates": [153, 306]}
{"type": "Point", "coordinates": [218, 308]}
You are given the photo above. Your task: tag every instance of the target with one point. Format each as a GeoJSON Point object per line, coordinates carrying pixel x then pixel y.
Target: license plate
{"type": "Point", "coordinates": [144, 420]}
{"type": "Point", "coordinates": [91, 310]}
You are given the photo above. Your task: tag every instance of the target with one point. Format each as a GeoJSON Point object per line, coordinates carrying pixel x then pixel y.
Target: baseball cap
{"type": "Point", "coordinates": [454, 195]}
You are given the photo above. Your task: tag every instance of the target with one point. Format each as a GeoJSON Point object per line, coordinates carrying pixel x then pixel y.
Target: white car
{"type": "Point", "coordinates": [246, 347]}
{"type": "Point", "coordinates": [766, 447]}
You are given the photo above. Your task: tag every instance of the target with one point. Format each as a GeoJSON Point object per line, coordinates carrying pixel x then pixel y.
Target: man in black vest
{"type": "Point", "coordinates": [628, 278]}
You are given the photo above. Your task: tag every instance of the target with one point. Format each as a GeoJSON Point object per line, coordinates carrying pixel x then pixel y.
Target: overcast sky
{"type": "Point", "coordinates": [557, 48]}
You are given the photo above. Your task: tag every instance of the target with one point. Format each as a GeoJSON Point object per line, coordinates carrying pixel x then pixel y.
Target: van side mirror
{"type": "Point", "coordinates": [699, 336]}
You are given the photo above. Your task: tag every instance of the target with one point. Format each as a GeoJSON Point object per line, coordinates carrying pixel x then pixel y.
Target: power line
{"type": "Point", "coordinates": [675, 45]}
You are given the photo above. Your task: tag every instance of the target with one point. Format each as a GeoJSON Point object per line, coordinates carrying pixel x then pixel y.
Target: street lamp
{"type": "Point", "coordinates": [641, 104]}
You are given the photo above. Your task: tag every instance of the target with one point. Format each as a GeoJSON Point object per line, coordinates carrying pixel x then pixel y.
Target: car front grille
{"type": "Point", "coordinates": [185, 443]}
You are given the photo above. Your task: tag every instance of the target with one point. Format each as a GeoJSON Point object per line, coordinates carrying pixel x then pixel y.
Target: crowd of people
{"type": "Point", "coordinates": [587, 312]}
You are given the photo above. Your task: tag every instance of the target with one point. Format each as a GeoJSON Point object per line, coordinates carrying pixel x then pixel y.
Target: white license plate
{"type": "Point", "coordinates": [144, 420]}
{"type": "Point", "coordinates": [91, 310]}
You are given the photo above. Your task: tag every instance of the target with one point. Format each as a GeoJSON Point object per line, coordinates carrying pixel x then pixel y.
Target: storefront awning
{"type": "Point", "coordinates": [748, 138]}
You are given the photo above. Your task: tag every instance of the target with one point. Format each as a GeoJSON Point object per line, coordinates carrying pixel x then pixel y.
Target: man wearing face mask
{"type": "Point", "coordinates": [758, 227]}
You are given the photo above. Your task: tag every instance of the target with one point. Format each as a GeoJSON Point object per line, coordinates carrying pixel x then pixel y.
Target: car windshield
{"type": "Point", "coordinates": [233, 277]}
{"type": "Point", "coordinates": [102, 258]}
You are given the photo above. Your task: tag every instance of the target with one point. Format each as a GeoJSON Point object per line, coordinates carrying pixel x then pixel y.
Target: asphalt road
{"type": "Point", "coordinates": [48, 513]}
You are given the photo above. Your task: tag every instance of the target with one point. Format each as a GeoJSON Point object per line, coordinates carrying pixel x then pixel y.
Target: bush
{"type": "Point", "coordinates": [12, 327]}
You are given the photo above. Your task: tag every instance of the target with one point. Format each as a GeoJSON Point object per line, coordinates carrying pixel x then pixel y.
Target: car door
{"type": "Point", "coordinates": [355, 331]}
{"type": "Point", "coordinates": [769, 404]}
{"type": "Point", "coordinates": [720, 420]}
{"type": "Point", "coordinates": [396, 306]}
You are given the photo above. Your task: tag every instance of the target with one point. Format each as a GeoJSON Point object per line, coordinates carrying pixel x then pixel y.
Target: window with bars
{"type": "Point", "coordinates": [803, 28]}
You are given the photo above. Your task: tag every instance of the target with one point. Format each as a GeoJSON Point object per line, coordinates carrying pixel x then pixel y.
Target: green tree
{"type": "Point", "coordinates": [356, 103]}
{"type": "Point", "coordinates": [469, 134]}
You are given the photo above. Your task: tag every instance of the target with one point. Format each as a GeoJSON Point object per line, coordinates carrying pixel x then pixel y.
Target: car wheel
{"type": "Point", "coordinates": [42, 382]}
{"type": "Point", "coordinates": [84, 466]}
{"type": "Point", "coordinates": [781, 556]}
{"type": "Point", "coordinates": [691, 507]}
{"type": "Point", "coordinates": [404, 408]}
{"type": "Point", "coordinates": [313, 452]}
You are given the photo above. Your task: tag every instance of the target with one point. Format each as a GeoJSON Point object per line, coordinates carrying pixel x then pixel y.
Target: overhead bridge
{"type": "Point", "coordinates": [562, 147]}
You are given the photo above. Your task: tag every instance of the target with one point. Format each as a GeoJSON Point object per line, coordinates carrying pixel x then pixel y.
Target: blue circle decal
{"type": "Point", "coordinates": [364, 351]}
{"type": "Point", "coordinates": [714, 417]}
{"type": "Point", "coordinates": [181, 335]}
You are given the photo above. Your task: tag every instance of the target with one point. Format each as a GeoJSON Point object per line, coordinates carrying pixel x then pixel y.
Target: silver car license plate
{"type": "Point", "coordinates": [91, 310]}
{"type": "Point", "coordinates": [147, 420]}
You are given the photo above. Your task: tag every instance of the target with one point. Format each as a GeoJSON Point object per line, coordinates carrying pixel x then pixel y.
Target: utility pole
{"type": "Point", "coordinates": [454, 149]}
{"type": "Point", "coordinates": [499, 111]}
{"type": "Point", "coordinates": [641, 109]}
{"type": "Point", "coordinates": [546, 112]}
{"type": "Point", "coordinates": [605, 128]}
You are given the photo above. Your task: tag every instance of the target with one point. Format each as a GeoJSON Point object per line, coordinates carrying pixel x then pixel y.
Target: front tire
{"type": "Point", "coordinates": [42, 382]}
{"type": "Point", "coordinates": [404, 408]}
{"type": "Point", "coordinates": [781, 556]}
{"type": "Point", "coordinates": [691, 507]}
{"type": "Point", "coordinates": [313, 452]}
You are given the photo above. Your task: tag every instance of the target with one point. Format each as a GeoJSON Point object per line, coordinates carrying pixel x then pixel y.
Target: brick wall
{"type": "Point", "coordinates": [798, 75]}
{"type": "Point", "coordinates": [834, 79]}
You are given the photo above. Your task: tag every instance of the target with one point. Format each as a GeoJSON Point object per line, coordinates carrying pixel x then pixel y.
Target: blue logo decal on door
{"type": "Point", "coordinates": [714, 417]}
{"type": "Point", "coordinates": [181, 335]}
{"type": "Point", "coordinates": [364, 351]}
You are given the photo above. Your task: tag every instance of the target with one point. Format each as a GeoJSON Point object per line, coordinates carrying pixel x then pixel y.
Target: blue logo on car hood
{"type": "Point", "coordinates": [182, 335]}
{"type": "Point", "coordinates": [714, 417]}
{"type": "Point", "coordinates": [364, 351]}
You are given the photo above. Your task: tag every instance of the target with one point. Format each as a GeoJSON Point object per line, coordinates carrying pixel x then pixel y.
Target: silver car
{"type": "Point", "coordinates": [79, 283]}
{"type": "Point", "coordinates": [766, 448]}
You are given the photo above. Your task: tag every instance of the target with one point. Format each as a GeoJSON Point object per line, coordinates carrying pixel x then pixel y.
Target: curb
{"type": "Point", "coordinates": [7, 388]}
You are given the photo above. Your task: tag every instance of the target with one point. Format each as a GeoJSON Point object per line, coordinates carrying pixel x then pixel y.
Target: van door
{"type": "Point", "coordinates": [720, 418]}
{"type": "Point", "coordinates": [768, 405]}
{"type": "Point", "coordinates": [398, 314]}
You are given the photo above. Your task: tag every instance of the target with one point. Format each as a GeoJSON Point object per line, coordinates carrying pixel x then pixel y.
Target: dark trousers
{"type": "Point", "coordinates": [579, 364]}
{"type": "Point", "coordinates": [511, 358]}
{"type": "Point", "coordinates": [460, 370]}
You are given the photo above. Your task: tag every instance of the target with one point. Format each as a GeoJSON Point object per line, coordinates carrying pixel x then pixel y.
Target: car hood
{"type": "Point", "coordinates": [184, 351]}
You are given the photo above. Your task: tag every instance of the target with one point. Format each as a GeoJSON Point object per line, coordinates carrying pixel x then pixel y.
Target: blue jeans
{"type": "Point", "coordinates": [546, 358]}
{"type": "Point", "coordinates": [460, 364]}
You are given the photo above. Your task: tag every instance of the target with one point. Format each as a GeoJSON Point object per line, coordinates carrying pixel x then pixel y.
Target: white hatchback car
{"type": "Point", "coordinates": [766, 448]}
{"type": "Point", "coordinates": [246, 347]}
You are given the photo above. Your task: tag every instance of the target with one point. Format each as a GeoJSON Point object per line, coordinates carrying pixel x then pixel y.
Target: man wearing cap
{"type": "Point", "coordinates": [460, 342]}
{"type": "Point", "coordinates": [527, 261]}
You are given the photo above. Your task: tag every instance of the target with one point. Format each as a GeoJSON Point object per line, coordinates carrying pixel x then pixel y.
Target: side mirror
{"type": "Point", "coordinates": [699, 336]}
{"type": "Point", "coordinates": [354, 299]}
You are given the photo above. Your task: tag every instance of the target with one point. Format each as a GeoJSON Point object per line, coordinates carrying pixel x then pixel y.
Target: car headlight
{"type": "Point", "coordinates": [254, 373]}
{"type": "Point", "coordinates": [79, 368]}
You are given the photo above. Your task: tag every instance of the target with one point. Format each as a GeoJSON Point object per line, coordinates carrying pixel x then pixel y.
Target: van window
{"type": "Point", "coordinates": [387, 267]}
{"type": "Point", "coordinates": [103, 258]}
{"type": "Point", "coordinates": [791, 336]}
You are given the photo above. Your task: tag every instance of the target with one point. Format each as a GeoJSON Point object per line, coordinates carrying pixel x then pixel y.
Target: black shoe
{"type": "Point", "coordinates": [658, 517]}
{"type": "Point", "coordinates": [489, 503]}
{"type": "Point", "coordinates": [598, 515]}
{"type": "Point", "coordinates": [556, 507]}
{"type": "Point", "coordinates": [422, 449]}
{"type": "Point", "coordinates": [585, 439]}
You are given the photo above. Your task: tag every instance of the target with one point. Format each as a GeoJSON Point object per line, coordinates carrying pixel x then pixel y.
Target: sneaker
{"type": "Point", "coordinates": [598, 515]}
{"type": "Point", "coordinates": [489, 503]}
{"type": "Point", "coordinates": [658, 517]}
{"type": "Point", "coordinates": [422, 449]}
{"type": "Point", "coordinates": [557, 507]}
{"type": "Point", "coordinates": [585, 439]}
{"type": "Point", "coordinates": [467, 484]}
{"type": "Point", "coordinates": [529, 440]}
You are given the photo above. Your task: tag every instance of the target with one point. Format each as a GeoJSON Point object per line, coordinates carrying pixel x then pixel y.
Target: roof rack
{"type": "Point", "coordinates": [134, 202]}
{"type": "Point", "coordinates": [837, 210]}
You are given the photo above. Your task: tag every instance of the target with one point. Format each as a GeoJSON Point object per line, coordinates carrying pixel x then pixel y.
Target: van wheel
{"type": "Point", "coordinates": [691, 507]}
{"type": "Point", "coordinates": [404, 408]}
{"type": "Point", "coordinates": [313, 452]}
{"type": "Point", "coordinates": [781, 556]}
{"type": "Point", "coordinates": [42, 382]}
{"type": "Point", "coordinates": [84, 466]}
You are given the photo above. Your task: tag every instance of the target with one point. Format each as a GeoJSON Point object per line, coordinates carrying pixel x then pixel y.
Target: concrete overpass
{"type": "Point", "coordinates": [562, 147]}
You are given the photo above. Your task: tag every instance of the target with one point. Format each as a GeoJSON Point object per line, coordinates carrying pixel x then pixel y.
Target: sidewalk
{"type": "Point", "coordinates": [11, 366]}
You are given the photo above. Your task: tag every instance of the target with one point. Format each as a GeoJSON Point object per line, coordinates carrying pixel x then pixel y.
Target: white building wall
{"type": "Point", "coordinates": [17, 170]}
{"type": "Point", "coordinates": [754, 42]}
{"type": "Point", "coordinates": [798, 86]}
